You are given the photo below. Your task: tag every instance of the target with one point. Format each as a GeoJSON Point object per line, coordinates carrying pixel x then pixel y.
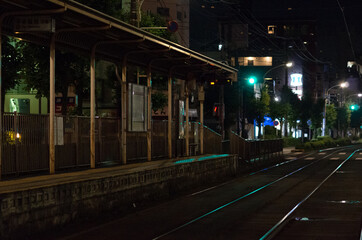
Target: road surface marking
{"type": "Point", "coordinates": [358, 158]}
{"type": "Point", "coordinates": [342, 153]}
{"type": "Point", "coordinates": [321, 153]}
{"type": "Point", "coordinates": [334, 158]}
{"type": "Point", "coordinates": [309, 158]}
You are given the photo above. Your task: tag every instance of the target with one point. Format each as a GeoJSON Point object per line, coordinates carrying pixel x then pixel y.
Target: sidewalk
{"type": "Point", "coordinates": [288, 150]}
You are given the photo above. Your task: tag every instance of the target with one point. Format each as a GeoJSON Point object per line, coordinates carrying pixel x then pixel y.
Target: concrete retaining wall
{"type": "Point", "coordinates": [30, 211]}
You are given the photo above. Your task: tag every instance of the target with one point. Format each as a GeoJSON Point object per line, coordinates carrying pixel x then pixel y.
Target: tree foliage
{"type": "Point", "coordinates": [331, 116]}
{"type": "Point", "coordinates": [11, 64]}
{"type": "Point", "coordinates": [70, 70]}
{"type": "Point", "coordinates": [343, 117]}
{"type": "Point", "coordinates": [259, 107]}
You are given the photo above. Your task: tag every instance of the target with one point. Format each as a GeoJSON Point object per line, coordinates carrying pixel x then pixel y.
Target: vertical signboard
{"type": "Point", "coordinates": [181, 119]}
{"type": "Point", "coordinates": [137, 108]}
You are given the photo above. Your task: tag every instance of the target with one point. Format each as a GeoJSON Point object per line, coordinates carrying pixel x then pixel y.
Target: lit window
{"type": "Point", "coordinates": [271, 29]}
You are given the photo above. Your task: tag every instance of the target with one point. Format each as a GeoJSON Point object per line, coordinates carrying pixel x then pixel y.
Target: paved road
{"type": "Point", "coordinates": [324, 189]}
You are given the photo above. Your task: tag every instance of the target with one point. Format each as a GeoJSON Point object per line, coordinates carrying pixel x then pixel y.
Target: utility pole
{"type": "Point", "coordinates": [136, 12]}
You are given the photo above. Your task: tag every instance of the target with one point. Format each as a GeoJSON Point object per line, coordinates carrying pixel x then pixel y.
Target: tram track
{"type": "Point", "coordinates": [286, 219]}
{"type": "Point", "coordinates": [243, 208]}
{"type": "Point", "coordinates": [254, 191]}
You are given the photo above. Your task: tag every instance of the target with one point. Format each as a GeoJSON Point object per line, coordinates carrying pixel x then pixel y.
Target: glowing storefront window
{"type": "Point", "coordinates": [296, 80]}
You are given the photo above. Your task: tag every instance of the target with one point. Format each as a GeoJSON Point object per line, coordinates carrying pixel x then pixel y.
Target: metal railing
{"type": "Point", "coordinates": [255, 151]}
{"type": "Point", "coordinates": [26, 142]}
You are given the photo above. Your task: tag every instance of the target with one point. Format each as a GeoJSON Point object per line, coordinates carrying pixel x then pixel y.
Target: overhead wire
{"type": "Point", "coordinates": [181, 37]}
{"type": "Point", "coordinates": [347, 28]}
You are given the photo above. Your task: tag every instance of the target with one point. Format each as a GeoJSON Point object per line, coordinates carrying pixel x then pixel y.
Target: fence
{"type": "Point", "coordinates": [26, 142]}
{"type": "Point", "coordinates": [255, 151]}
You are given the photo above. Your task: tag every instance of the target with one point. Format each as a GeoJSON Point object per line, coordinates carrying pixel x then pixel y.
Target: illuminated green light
{"type": "Point", "coordinates": [353, 107]}
{"type": "Point", "coordinates": [252, 80]}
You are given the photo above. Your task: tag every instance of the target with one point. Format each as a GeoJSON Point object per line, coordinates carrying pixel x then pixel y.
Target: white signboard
{"type": "Point", "coordinates": [137, 108]}
{"type": "Point", "coordinates": [58, 131]}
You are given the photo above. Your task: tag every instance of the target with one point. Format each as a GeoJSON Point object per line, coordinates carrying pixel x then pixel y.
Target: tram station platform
{"type": "Point", "coordinates": [34, 204]}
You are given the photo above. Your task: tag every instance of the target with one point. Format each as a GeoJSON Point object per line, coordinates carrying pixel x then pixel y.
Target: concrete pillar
{"type": "Point", "coordinates": [124, 111]}
{"type": "Point", "coordinates": [149, 115]}
{"type": "Point", "coordinates": [187, 135]}
{"type": "Point", "coordinates": [52, 105]}
{"type": "Point", "coordinates": [169, 112]}
{"type": "Point", "coordinates": [92, 109]}
{"type": "Point", "coordinates": [201, 99]}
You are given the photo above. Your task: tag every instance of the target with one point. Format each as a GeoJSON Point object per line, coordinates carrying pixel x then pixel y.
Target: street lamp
{"type": "Point", "coordinates": [326, 96]}
{"type": "Point", "coordinates": [356, 94]}
{"type": "Point", "coordinates": [288, 65]}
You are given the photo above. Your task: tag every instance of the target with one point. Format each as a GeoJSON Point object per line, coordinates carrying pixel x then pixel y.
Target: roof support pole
{"type": "Point", "coordinates": [169, 115]}
{"type": "Point", "coordinates": [1, 112]}
{"type": "Point", "coordinates": [201, 99]}
{"type": "Point", "coordinates": [124, 110]}
{"type": "Point", "coordinates": [187, 122]}
{"type": "Point", "coordinates": [149, 114]}
{"type": "Point", "coordinates": [92, 108]}
{"type": "Point", "coordinates": [52, 66]}
{"type": "Point", "coordinates": [52, 106]}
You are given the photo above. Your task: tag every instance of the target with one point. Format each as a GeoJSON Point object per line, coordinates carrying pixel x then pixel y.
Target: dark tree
{"type": "Point", "coordinates": [11, 65]}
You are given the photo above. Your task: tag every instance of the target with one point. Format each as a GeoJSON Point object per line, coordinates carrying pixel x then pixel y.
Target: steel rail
{"type": "Point", "coordinates": [242, 197]}
{"type": "Point", "coordinates": [277, 227]}
{"type": "Point", "coordinates": [250, 174]}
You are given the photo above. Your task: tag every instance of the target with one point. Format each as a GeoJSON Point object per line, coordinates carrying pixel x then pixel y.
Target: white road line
{"type": "Point", "coordinates": [358, 158]}
{"type": "Point", "coordinates": [334, 158]}
{"type": "Point", "coordinates": [321, 153]}
{"type": "Point", "coordinates": [342, 153]}
{"type": "Point", "coordinates": [309, 158]}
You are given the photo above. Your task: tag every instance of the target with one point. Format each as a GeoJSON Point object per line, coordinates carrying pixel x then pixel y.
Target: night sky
{"type": "Point", "coordinates": [333, 44]}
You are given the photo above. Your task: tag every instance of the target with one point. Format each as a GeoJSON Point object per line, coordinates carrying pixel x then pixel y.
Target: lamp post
{"type": "Point", "coordinates": [288, 65]}
{"type": "Point", "coordinates": [326, 96]}
{"type": "Point", "coordinates": [359, 95]}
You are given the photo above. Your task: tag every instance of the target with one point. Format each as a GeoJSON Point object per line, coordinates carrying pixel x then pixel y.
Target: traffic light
{"type": "Point", "coordinates": [252, 80]}
{"type": "Point", "coordinates": [354, 107]}
{"type": "Point", "coordinates": [215, 110]}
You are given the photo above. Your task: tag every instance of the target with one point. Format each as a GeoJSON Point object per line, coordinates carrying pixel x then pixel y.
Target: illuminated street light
{"type": "Point", "coordinates": [344, 84]}
{"type": "Point", "coordinates": [326, 96]}
{"type": "Point", "coordinates": [288, 65]}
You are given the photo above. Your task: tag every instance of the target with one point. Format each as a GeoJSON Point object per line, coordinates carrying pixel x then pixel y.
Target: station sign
{"type": "Point", "coordinates": [34, 24]}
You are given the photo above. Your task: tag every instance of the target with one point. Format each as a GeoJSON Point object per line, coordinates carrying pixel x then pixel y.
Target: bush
{"type": "Point", "coordinates": [269, 136]}
{"type": "Point", "coordinates": [355, 138]}
{"type": "Point", "coordinates": [270, 131]}
{"type": "Point", "coordinates": [317, 144]}
{"type": "Point", "coordinates": [307, 146]}
{"type": "Point", "coordinates": [343, 141]}
{"type": "Point", "coordinates": [291, 142]}
{"type": "Point", "coordinates": [324, 142]}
